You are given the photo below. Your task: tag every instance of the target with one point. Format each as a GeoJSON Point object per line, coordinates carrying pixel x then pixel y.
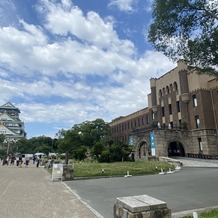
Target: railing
{"type": "Point", "coordinates": [202, 156]}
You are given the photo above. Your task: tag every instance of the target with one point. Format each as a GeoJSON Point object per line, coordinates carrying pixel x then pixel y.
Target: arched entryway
{"type": "Point", "coordinates": [143, 150]}
{"type": "Point", "coordinates": [175, 148]}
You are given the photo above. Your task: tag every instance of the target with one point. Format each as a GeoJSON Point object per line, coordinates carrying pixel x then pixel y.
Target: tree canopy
{"type": "Point", "coordinates": [2, 138]}
{"type": "Point", "coordinates": [81, 136]}
{"type": "Point", "coordinates": [187, 29]}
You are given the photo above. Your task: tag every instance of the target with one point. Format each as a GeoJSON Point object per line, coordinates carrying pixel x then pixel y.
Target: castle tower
{"type": "Point", "coordinates": [10, 124]}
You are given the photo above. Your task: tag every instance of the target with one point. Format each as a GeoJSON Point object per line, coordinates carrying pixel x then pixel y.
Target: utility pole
{"type": "Point", "coordinates": [8, 146]}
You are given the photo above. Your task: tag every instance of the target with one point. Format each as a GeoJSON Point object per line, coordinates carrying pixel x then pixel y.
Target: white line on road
{"type": "Point", "coordinates": [96, 213]}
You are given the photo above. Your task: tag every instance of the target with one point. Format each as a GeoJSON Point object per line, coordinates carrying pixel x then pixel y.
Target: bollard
{"type": "Point", "coordinates": [195, 215]}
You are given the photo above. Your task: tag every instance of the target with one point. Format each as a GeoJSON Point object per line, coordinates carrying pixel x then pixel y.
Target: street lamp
{"type": "Point", "coordinates": [8, 145]}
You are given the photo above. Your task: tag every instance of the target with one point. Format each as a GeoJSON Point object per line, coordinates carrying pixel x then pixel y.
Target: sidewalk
{"type": "Point", "coordinates": [29, 193]}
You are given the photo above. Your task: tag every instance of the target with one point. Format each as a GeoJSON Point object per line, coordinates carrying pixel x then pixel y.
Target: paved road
{"type": "Point", "coordinates": [29, 193]}
{"type": "Point", "coordinates": [193, 187]}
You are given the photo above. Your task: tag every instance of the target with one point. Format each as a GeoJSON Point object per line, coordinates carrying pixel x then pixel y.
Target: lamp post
{"type": "Point", "coordinates": [8, 146]}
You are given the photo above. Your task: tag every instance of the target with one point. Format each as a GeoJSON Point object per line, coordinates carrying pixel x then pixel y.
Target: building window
{"type": "Point", "coordinates": [147, 119]}
{"type": "Point", "coordinates": [143, 120]}
{"type": "Point", "coordinates": [194, 100]}
{"type": "Point", "coordinates": [180, 123]}
{"type": "Point", "coordinates": [197, 121]}
{"type": "Point", "coordinates": [171, 88]}
{"type": "Point", "coordinates": [162, 111]}
{"type": "Point", "coordinates": [160, 93]}
{"type": "Point", "coordinates": [152, 113]}
{"type": "Point", "coordinates": [171, 124]}
{"type": "Point", "coordinates": [163, 92]}
{"type": "Point", "coordinates": [138, 121]}
{"type": "Point", "coordinates": [175, 86]}
{"type": "Point", "coordinates": [170, 109]}
{"type": "Point", "coordinates": [178, 106]}
{"type": "Point", "coordinates": [200, 145]}
{"type": "Point", "coordinates": [168, 90]}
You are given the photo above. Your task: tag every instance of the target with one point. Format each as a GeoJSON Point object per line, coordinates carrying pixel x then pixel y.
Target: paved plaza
{"type": "Point", "coordinates": [29, 193]}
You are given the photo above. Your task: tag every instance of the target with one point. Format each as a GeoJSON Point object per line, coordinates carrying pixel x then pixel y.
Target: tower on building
{"type": "Point", "coordinates": [10, 124]}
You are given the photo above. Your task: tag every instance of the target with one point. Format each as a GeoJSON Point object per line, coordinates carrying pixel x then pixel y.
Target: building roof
{"type": "Point", "coordinates": [9, 106]}
{"type": "Point", "coordinates": [4, 130]}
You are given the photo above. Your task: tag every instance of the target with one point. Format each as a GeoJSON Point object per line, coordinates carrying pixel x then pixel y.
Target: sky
{"type": "Point", "coordinates": [63, 62]}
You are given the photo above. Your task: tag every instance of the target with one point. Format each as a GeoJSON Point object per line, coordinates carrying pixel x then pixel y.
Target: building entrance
{"type": "Point", "coordinates": [175, 148]}
{"type": "Point", "coordinates": [142, 151]}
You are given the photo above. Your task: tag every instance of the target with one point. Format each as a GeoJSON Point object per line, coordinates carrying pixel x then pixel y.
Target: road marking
{"type": "Point", "coordinates": [96, 213]}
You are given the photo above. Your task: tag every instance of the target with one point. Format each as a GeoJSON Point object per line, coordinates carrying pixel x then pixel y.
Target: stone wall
{"type": "Point", "coordinates": [141, 206]}
{"type": "Point", "coordinates": [188, 139]}
{"type": "Point", "coordinates": [67, 172]}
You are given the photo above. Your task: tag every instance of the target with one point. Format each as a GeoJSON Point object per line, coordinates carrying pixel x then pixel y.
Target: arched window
{"type": "Point", "coordinates": [171, 87]}
{"type": "Point", "coordinates": [175, 86]}
{"type": "Point", "coordinates": [168, 90]}
{"type": "Point", "coordinates": [160, 93]}
{"type": "Point", "coordinates": [163, 92]}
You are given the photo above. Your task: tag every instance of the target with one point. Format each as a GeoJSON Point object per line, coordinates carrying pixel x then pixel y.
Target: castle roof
{"type": "Point", "coordinates": [9, 106]}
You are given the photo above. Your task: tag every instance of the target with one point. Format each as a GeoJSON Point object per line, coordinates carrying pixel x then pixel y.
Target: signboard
{"type": "Point", "coordinates": [57, 171]}
{"type": "Point", "coordinates": [131, 140]}
{"type": "Point", "coordinates": [152, 141]}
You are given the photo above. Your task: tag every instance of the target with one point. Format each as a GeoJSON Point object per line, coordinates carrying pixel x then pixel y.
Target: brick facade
{"type": "Point", "coordinates": [182, 114]}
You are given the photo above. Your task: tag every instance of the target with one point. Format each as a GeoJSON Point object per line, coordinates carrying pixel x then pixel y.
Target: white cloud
{"type": "Point", "coordinates": [40, 68]}
{"type": "Point", "coordinates": [123, 5]}
{"type": "Point", "coordinates": [62, 22]}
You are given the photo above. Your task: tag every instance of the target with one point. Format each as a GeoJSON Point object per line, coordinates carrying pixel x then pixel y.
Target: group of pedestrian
{"type": "Point", "coordinates": [19, 161]}
{"type": "Point", "coordinates": [8, 160]}
{"type": "Point", "coordinates": [36, 160]}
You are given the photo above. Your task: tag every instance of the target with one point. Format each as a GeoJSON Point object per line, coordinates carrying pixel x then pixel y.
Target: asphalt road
{"type": "Point", "coordinates": [190, 188]}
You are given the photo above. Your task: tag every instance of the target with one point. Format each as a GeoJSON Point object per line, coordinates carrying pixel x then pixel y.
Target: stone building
{"type": "Point", "coordinates": [10, 124]}
{"type": "Point", "coordinates": [181, 118]}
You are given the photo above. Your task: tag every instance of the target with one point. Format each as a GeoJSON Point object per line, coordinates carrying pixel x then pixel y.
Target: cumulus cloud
{"type": "Point", "coordinates": [123, 5]}
{"type": "Point", "coordinates": [74, 67]}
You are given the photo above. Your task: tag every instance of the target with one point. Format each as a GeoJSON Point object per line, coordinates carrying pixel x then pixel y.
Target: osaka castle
{"type": "Point", "coordinates": [10, 124]}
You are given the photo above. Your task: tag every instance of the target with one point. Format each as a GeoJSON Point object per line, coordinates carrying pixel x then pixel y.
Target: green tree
{"type": "Point", "coordinates": [22, 146]}
{"type": "Point", "coordinates": [80, 153]}
{"type": "Point", "coordinates": [68, 143]}
{"type": "Point", "coordinates": [2, 138]}
{"type": "Point", "coordinates": [97, 150]}
{"type": "Point", "coordinates": [81, 137]}
{"type": "Point", "coordinates": [92, 132]}
{"type": "Point", "coordinates": [187, 29]}
{"type": "Point", "coordinates": [42, 144]}
{"type": "Point", "coordinates": [117, 151]}
{"type": "Point", "coordinates": [120, 151]}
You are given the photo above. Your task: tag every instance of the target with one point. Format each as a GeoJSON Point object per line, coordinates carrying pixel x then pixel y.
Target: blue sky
{"type": "Point", "coordinates": [63, 62]}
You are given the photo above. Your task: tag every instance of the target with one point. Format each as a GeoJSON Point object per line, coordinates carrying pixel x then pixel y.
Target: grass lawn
{"type": "Point", "coordinates": [208, 214]}
{"type": "Point", "coordinates": [91, 169]}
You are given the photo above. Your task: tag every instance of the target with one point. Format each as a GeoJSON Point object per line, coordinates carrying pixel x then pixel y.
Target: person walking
{"type": "Point", "coordinates": [20, 162]}
{"type": "Point", "coordinates": [27, 161]}
{"type": "Point", "coordinates": [37, 161]}
{"type": "Point", "coordinates": [34, 159]}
